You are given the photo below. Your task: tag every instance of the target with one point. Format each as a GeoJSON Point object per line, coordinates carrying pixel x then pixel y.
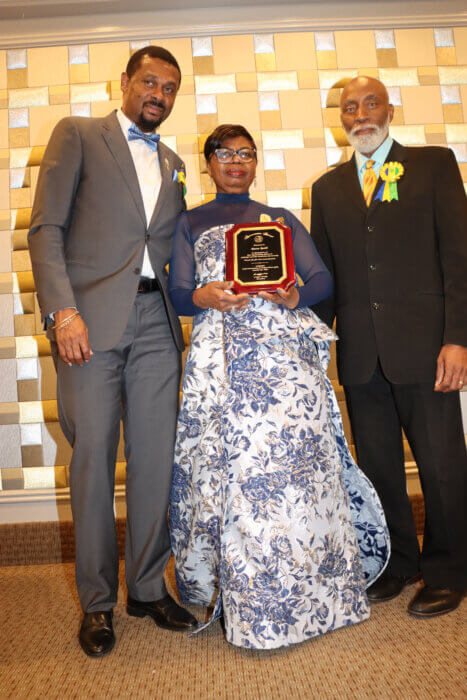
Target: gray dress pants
{"type": "Point", "coordinates": [136, 381]}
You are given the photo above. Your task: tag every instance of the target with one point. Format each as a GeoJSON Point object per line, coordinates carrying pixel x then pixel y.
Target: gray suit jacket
{"type": "Point", "coordinates": [88, 227]}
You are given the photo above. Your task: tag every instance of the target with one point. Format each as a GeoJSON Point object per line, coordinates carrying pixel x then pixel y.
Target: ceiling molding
{"type": "Point", "coordinates": [260, 19]}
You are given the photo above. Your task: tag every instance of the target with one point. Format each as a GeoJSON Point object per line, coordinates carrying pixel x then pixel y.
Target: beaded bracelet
{"type": "Point", "coordinates": [65, 322]}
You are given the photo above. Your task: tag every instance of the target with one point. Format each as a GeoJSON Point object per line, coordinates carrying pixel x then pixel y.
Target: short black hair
{"type": "Point", "coordinates": [153, 52]}
{"type": "Point", "coordinates": [223, 132]}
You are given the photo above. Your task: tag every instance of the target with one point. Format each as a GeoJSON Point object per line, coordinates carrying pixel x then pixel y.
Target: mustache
{"type": "Point", "coordinates": [155, 103]}
{"type": "Point", "coordinates": [373, 127]}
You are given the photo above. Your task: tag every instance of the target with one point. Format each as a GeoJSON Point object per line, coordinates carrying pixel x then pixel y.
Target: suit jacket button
{"type": "Point", "coordinates": [147, 237]}
{"type": "Point", "coordinates": [372, 268]}
{"type": "Point", "coordinates": [370, 229]}
{"type": "Point", "coordinates": [376, 306]}
{"type": "Point", "coordinates": [137, 270]}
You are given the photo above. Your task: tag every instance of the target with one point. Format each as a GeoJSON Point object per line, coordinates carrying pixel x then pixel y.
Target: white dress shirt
{"type": "Point", "coordinates": [148, 170]}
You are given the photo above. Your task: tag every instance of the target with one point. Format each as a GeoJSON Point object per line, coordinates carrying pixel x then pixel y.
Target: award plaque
{"type": "Point", "coordinates": [259, 257]}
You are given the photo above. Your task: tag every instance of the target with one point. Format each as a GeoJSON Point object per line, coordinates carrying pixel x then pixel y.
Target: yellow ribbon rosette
{"type": "Point", "coordinates": [390, 173]}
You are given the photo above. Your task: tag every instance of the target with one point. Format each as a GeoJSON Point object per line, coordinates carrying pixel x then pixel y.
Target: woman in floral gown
{"type": "Point", "coordinates": [272, 523]}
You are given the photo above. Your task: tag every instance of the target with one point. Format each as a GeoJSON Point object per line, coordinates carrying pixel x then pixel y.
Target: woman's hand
{"type": "Point", "coordinates": [289, 298]}
{"type": "Point", "coordinates": [215, 295]}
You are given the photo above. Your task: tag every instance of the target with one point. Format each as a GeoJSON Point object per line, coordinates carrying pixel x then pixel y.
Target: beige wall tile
{"type": "Point", "coordinates": [8, 388]}
{"type": "Point", "coordinates": [17, 78]}
{"type": "Point", "coordinates": [453, 114]}
{"type": "Point", "coordinates": [233, 54]}
{"type": "Point", "coordinates": [308, 79]}
{"type": "Point", "coordinates": [265, 61]}
{"type": "Point", "coordinates": [326, 60]}
{"type": "Point", "coordinates": [415, 47]}
{"type": "Point", "coordinates": [3, 99]}
{"type": "Point", "coordinates": [446, 56]}
{"type": "Point", "coordinates": [428, 75]}
{"type": "Point", "coordinates": [460, 41]}
{"type": "Point", "coordinates": [3, 129]}
{"type": "Point", "coordinates": [463, 89]}
{"type": "Point", "coordinates": [300, 109]}
{"type": "Point", "coordinates": [104, 107]}
{"type": "Point", "coordinates": [79, 73]}
{"type": "Point", "coordinates": [108, 61]}
{"type": "Point", "coordinates": [181, 49]}
{"type": "Point", "coordinates": [3, 70]}
{"type": "Point", "coordinates": [42, 121]}
{"type": "Point", "coordinates": [59, 94]}
{"type": "Point", "coordinates": [239, 109]}
{"type": "Point", "coordinates": [206, 123]}
{"type": "Point", "coordinates": [422, 104]}
{"type": "Point", "coordinates": [47, 66]}
{"type": "Point", "coordinates": [295, 51]}
{"type": "Point", "coordinates": [4, 189]}
{"type": "Point", "coordinates": [203, 65]}
{"type": "Point", "coordinates": [246, 82]}
{"type": "Point", "coordinates": [355, 48]}
{"type": "Point", "coordinates": [20, 198]}
{"type": "Point", "coordinates": [303, 166]}
{"type": "Point", "coordinates": [5, 255]}
{"type": "Point", "coordinates": [193, 177]}
{"type": "Point", "coordinates": [183, 117]}
{"type": "Point", "coordinates": [387, 58]}
{"type": "Point", "coordinates": [19, 138]}
{"type": "Point", "coordinates": [275, 180]}
{"type": "Point", "coordinates": [270, 119]}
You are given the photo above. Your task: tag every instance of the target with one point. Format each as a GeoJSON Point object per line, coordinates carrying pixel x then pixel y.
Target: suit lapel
{"type": "Point", "coordinates": [351, 184]}
{"type": "Point", "coordinates": [115, 140]}
{"type": "Point", "coordinates": [166, 166]}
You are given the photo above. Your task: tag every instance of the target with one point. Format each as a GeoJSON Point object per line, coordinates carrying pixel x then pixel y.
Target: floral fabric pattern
{"type": "Point", "coordinates": [272, 523]}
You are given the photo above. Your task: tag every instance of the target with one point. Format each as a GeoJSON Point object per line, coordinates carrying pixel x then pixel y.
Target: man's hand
{"type": "Point", "coordinates": [72, 339]}
{"type": "Point", "coordinates": [451, 372]}
{"type": "Point", "coordinates": [289, 298]}
{"type": "Point", "coordinates": [215, 295]}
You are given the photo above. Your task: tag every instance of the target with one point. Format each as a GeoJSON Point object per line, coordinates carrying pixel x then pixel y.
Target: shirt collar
{"type": "Point", "coordinates": [379, 156]}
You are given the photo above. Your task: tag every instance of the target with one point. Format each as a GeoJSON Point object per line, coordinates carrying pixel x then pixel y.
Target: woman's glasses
{"type": "Point", "coordinates": [226, 155]}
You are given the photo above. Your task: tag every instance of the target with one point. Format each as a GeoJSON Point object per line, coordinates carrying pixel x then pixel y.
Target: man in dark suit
{"type": "Point", "coordinates": [107, 199]}
{"type": "Point", "coordinates": [391, 225]}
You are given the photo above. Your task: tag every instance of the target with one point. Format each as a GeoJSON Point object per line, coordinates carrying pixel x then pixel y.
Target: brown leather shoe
{"type": "Point", "coordinates": [431, 601]}
{"type": "Point", "coordinates": [389, 586]}
{"type": "Point", "coordinates": [96, 635]}
{"type": "Point", "coordinates": [165, 613]}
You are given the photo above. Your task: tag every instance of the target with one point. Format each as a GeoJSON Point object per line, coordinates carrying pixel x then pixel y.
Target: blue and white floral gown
{"type": "Point", "coordinates": [271, 521]}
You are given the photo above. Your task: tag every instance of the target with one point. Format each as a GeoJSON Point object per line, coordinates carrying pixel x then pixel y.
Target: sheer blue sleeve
{"type": "Point", "coordinates": [182, 269]}
{"type": "Point", "coordinates": [317, 281]}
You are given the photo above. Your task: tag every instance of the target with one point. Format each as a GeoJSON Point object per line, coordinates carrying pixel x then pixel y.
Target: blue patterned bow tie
{"type": "Point", "coordinates": [134, 133]}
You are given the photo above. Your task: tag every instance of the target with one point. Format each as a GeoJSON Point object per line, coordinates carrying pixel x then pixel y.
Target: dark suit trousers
{"type": "Point", "coordinates": [433, 426]}
{"type": "Point", "coordinates": [136, 381]}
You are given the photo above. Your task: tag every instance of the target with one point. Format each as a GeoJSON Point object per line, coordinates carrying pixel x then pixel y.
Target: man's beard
{"type": "Point", "coordinates": [368, 143]}
{"type": "Point", "coordinates": [150, 124]}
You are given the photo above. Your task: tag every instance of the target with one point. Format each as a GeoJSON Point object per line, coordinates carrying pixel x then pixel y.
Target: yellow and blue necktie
{"type": "Point", "coordinates": [369, 181]}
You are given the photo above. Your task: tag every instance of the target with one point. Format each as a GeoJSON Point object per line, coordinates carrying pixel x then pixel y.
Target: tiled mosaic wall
{"type": "Point", "coordinates": [279, 86]}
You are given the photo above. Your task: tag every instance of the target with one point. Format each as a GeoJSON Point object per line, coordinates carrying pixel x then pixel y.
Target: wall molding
{"type": "Point", "coordinates": [320, 16]}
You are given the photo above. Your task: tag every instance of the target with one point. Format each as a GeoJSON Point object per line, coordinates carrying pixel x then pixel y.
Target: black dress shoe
{"type": "Point", "coordinates": [165, 613]}
{"type": "Point", "coordinates": [96, 635]}
{"type": "Point", "coordinates": [389, 586]}
{"type": "Point", "coordinates": [430, 601]}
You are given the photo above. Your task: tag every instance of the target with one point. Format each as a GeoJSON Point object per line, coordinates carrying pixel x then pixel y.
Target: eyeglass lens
{"type": "Point", "coordinates": [226, 155]}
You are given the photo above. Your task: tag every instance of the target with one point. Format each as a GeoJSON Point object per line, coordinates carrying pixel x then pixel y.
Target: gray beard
{"type": "Point", "coordinates": [368, 143]}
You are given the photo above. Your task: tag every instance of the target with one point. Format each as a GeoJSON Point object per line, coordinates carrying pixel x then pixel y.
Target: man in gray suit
{"type": "Point", "coordinates": [107, 199]}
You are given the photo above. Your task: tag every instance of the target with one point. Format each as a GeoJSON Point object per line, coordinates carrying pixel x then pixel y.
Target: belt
{"type": "Point", "coordinates": [148, 284]}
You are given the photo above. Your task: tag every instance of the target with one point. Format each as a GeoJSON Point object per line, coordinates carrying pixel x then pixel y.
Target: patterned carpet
{"type": "Point", "coordinates": [390, 656]}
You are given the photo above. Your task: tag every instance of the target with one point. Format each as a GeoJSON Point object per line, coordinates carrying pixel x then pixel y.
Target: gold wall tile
{"type": "Point", "coordinates": [275, 180]}
{"type": "Point", "coordinates": [42, 121]}
{"type": "Point", "coordinates": [188, 85]}
{"type": "Point", "coordinates": [206, 122]}
{"type": "Point", "coordinates": [20, 219]}
{"type": "Point", "coordinates": [181, 49]}
{"type": "Point", "coordinates": [326, 60]}
{"type": "Point", "coordinates": [308, 79]}
{"type": "Point", "coordinates": [408, 135]}
{"type": "Point", "coordinates": [271, 82]}
{"type": "Point", "coordinates": [422, 104]}
{"type": "Point", "coordinates": [452, 75]}
{"type": "Point", "coordinates": [29, 97]}
{"type": "Point", "coordinates": [300, 109]}
{"type": "Point", "coordinates": [331, 116]}
{"type": "Point", "coordinates": [398, 117]}
{"type": "Point", "coordinates": [335, 136]}
{"type": "Point", "coordinates": [295, 50]}
{"type": "Point", "coordinates": [270, 119]}
{"type": "Point", "coordinates": [79, 73]}
{"type": "Point", "coordinates": [182, 120]}
{"type": "Point", "coordinates": [108, 61]}
{"type": "Point", "coordinates": [12, 479]}
{"type": "Point", "coordinates": [453, 113]}
{"type": "Point", "coordinates": [246, 82]}
{"type": "Point", "coordinates": [304, 166]}
{"type": "Point", "coordinates": [3, 71]}
{"type": "Point", "coordinates": [463, 91]}
{"type": "Point", "coordinates": [24, 325]}
{"type": "Point", "coordinates": [456, 133]}
{"type": "Point", "coordinates": [4, 219]}
{"type": "Point", "coordinates": [460, 41]}
{"type": "Point", "coordinates": [240, 108]}
{"type": "Point", "coordinates": [187, 143]}
{"type": "Point", "coordinates": [435, 134]}
{"type": "Point", "coordinates": [115, 90]}
{"type": "Point", "coordinates": [355, 48]}
{"type": "Point", "coordinates": [213, 84]}
{"type": "Point", "coordinates": [20, 261]}
{"type": "Point", "coordinates": [203, 65]}
{"type": "Point", "coordinates": [92, 92]}
{"type": "Point", "coordinates": [265, 61]}
{"type": "Point", "coordinates": [7, 345]}
{"type": "Point", "coordinates": [19, 138]}
{"type": "Point", "coordinates": [193, 176]}
{"type": "Point", "coordinates": [21, 197]}
{"type": "Point", "coordinates": [17, 78]}
{"type": "Point", "coordinates": [28, 390]}
{"type": "Point", "coordinates": [428, 75]}
{"type": "Point", "coordinates": [398, 76]}
{"type": "Point", "coordinates": [415, 47]}
{"type": "Point", "coordinates": [233, 54]}
{"type": "Point", "coordinates": [3, 99]}
{"type": "Point", "coordinates": [446, 56]}
{"type": "Point", "coordinates": [4, 190]}
{"type": "Point", "coordinates": [102, 109]}
{"type": "Point", "coordinates": [47, 66]}
{"type": "Point", "coordinates": [4, 142]}
{"type": "Point", "coordinates": [387, 58]}
{"type": "Point", "coordinates": [19, 239]}
{"type": "Point", "coordinates": [59, 94]}
{"type": "Point", "coordinates": [313, 138]}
